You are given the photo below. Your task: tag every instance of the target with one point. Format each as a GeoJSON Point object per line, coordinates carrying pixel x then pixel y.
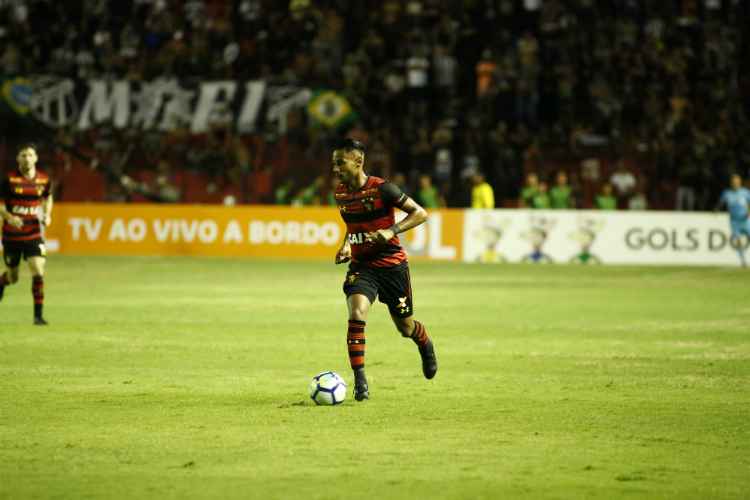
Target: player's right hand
{"type": "Point", "coordinates": [344, 254]}
{"type": "Point", "coordinates": [15, 221]}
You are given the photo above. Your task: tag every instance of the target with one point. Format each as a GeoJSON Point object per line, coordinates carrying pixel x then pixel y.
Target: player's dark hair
{"type": "Point", "coordinates": [27, 145]}
{"type": "Point", "coordinates": [350, 144]}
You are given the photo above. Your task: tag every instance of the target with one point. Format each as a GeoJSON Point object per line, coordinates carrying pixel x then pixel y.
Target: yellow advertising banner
{"type": "Point", "coordinates": [251, 230]}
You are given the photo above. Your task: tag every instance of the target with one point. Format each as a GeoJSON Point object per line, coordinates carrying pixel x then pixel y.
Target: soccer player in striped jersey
{"type": "Point", "coordinates": [378, 263]}
{"type": "Point", "coordinates": [27, 205]}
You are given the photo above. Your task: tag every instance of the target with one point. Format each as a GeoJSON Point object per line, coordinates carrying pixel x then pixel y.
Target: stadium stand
{"type": "Point", "coordinates": [442, 88]}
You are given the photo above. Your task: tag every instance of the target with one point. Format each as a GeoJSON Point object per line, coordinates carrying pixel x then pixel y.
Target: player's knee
{"type": "Point", "coordinates": [13, 277]}
{"type": "Point", "coordinates": [359, 313]}
{"type": "Point", "coordinates": [358, 310]}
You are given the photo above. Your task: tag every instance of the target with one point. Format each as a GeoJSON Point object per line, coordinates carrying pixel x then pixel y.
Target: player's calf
{"type": "Point", "coordinates": [356, 342]}
{"type": "Point", "coordinates": [426, 349]}
{"type": "Point", "coordinates": [7, 279]}
{"type": "Point", "coordinates": [37, 292]}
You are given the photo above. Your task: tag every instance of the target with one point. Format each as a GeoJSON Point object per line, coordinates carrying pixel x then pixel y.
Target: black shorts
{"type": "Point", "coordinates": [391, 285]}
{"type": "Point", "coordinates": [14, 250]}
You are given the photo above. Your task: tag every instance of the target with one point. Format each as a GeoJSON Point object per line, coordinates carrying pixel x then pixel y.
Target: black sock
{"type": "Point", "coordinates": [359, 375]}
{"type": "Point", "coordinates": [37, 290]}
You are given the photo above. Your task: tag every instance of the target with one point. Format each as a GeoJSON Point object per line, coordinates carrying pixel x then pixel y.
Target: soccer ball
{"type": "Point", "coordinates": [327, 388]}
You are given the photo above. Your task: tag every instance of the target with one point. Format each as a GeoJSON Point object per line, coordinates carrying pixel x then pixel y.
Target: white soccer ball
{"type": "Point", "coordinates": [327, 388]}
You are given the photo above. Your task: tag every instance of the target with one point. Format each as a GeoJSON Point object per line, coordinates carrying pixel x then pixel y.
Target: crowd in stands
{"type": "Point", "coordinates": [538, 103]}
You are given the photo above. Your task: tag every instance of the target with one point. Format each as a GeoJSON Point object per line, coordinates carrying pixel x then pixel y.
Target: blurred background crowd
{"type": "Point", "coordinates": [612, 104]}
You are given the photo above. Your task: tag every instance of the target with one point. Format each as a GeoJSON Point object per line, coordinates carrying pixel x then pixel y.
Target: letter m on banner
{"type": "Point", "coordinates": [106, 101]}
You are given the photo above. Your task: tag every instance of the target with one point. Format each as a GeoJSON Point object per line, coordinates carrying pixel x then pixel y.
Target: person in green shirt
{"type": "Point", "coordinates": [427, 194]}
{"type": "Point", "coordinates": [541, 200]}
{"type": "Point", "coordinates": [529, 190]}
{"type": "Point", "coordinates": [283, 193]}
{"type": "Point", "coordinates": [605, 200]}
{"type": "Point", "coordinates": [561, 194]}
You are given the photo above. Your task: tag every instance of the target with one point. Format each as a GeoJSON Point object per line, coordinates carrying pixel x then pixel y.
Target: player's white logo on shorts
{"type": "Point", "coordinates": [402, 307]}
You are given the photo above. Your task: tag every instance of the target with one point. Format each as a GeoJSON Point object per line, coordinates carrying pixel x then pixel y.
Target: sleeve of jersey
{"type": "Point", "coordinates": [392, 194]}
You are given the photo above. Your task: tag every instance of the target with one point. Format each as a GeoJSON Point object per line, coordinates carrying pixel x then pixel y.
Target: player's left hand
{"type": "Point", "coordinates": [380, 236]}
{"type": "Point", "coordinates": [47, 220]}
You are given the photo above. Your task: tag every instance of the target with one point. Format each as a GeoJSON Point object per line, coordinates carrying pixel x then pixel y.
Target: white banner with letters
{"type": "Point", "coordinates": [161, 104]}
{"type": "Point", "coordinates": [604, 237]}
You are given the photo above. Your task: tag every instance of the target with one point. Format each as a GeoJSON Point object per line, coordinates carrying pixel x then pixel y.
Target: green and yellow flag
{"type": "Point", "coordinates": [16, 94]}
{"type": "Point", "coordinates": [329, 109]}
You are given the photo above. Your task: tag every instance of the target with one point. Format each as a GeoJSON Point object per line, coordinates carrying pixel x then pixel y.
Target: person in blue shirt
{"type": "Point", "coordinates": [737, 200]}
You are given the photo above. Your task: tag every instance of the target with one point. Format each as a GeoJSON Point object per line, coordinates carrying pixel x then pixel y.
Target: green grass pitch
{"type": "Point", "coordinates": [187, 378]}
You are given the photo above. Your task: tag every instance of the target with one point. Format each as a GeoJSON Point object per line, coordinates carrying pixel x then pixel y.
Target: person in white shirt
{"type": "Point", "coordinates": [624, 182]}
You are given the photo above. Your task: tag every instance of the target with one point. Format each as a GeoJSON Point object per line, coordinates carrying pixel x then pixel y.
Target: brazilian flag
{"type": "Point", "coordinates": [16, 119]}
{"type": "Point", "coordinates": [329, 109]}
{"type": "Point", "coordinates": [15, 95]}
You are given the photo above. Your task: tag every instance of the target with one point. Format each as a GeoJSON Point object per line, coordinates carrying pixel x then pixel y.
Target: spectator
{"type": "Point", "coordinates": [505, 166]}
{"type": "Point", "coordinates": [485, 70]}
{"type": "Point", "coordinates": [561, 194]}
{"type": "Point", "coordinates": [427, 195]}
{"type": "Point", "coordinates": [310, 194]}
{"type": "Point", "coordinates": [605, 200]}
{"type": "Point", "coordinates": [623, 183]}
{"type": "Point", "coordinates": [443, 159]}
{"type": "Point", "coordinates": [482, 195]}
{"type": "Point", "coordinates": [446, 66]}
{"type": "Point", "coordinates": [261, 184]}
{"type": "Point", "coordinates": [638, 201]}
{"type": "Point", "coordinates": [400, 180]}
{"type": "Point", "coordinates": [283, 192]}
{"type": "Point", "coordinates": [541, 200]}
{"type": "Point", "coordinates": [530, 190]}
{"type": "Point", "coordinates": [421, 152]}
{"type": "Point", "coordinates": [417, 77]}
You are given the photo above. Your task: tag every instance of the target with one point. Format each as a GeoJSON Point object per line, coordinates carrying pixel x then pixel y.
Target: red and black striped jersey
{"type": "Point", "coordinates": [366, 210]}
{"type": "Point", "coordinates": [23, 197]}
